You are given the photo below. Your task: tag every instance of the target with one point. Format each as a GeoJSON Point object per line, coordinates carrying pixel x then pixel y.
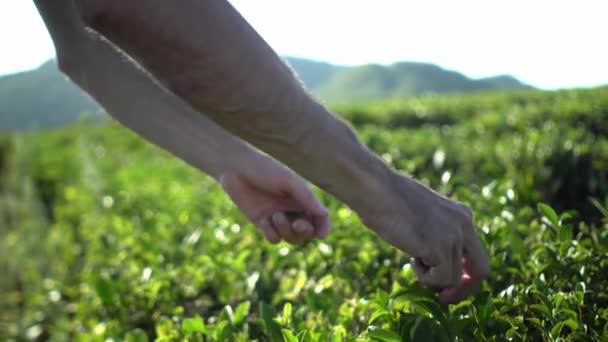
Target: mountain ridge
{"type": "Point", "coordinates": [43, 97]}
{"type": "Point", "coordinates": [376, 81]}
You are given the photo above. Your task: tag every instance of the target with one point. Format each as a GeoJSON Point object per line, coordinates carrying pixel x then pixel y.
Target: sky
{"type": "Point", "coordinates": [548, 44]}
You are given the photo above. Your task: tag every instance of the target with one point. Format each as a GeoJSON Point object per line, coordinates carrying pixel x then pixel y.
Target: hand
{"type": "Point", "coordinates": [276, 200]}
{"type": "Point", "coordinates": [437, 233]}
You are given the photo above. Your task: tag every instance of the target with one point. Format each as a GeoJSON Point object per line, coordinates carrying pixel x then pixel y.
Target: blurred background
{"type": "Point", "coordinates": [502, 105]}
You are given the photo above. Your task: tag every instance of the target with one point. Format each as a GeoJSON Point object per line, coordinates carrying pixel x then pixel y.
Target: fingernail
{"type": "Point", "coordinates": [298, 227]}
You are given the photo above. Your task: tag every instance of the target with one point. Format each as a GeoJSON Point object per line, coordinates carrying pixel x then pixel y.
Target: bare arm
{"type": "Point", "coordinates": [255, 182]}
{"type": "Point", "coordinates": [133, 98]}
{"type": "Point", "coordinates": [207, 54]}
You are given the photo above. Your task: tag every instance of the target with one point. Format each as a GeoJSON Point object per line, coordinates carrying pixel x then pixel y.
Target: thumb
{"type": "Point", "coordinates": [302, 194]}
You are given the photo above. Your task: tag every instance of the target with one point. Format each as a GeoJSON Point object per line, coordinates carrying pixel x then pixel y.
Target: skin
{"type": "Point", "coordinates": [107, 74]}
{"type": "Point", "coordinates": [213, 88]}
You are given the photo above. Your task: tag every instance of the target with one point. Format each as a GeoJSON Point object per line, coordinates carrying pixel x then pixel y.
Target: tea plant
{"type": "Point", "coordinates": [105, 237]}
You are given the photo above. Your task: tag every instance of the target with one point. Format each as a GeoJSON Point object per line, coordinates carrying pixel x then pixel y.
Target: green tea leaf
{"type": "Point", "coordinates": [272, 327]}
{"type": "Point", "coordinates": [303, 336]}
{"type": "Point", "coordinates": [377, 315]}
{"type": "Point", "coordinates": [241, 312]}
{"type": "Point", "coordinates": [602, 209]}
{"type": "Point", "coordinates": [287, 311]}
{"type": "Point", "coordinates": [377, 334]}
{"type": "Point", "coordinates": [572, 324]}
{"type": "Point", "coordinates": [537, 322]}
{"type": "Point", "coordinates": [557, 329]}
{"type": "Point", "coordinates": [564, 234]}
{"type": "Point", "coordinates": [105, 291]}
{"type": "Point", "coordinates": [549, 213]}
{"type": "Point", "coordinates": [223, 331]}
{"type": "Point", "coordinates": [193, 325]}
{"type": "Point", "coordinates": [421, 331]}
{"type": "Point", "coordinates": [288, 336]}
{"type": "Point", "coordinates": [541, 308]}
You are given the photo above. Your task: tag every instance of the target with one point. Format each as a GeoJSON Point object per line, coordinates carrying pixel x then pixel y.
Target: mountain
{"type": "Point", "coordinates": [373, 81]}
{"type": "Point", "coordinates": [312, 73]}
{"type": "Point", "coordinates": [43, 97]}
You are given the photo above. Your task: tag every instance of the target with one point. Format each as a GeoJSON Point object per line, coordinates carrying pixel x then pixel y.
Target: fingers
{"type": "Point", "coordinates": [303, 229]}
{"type": "Point", "coordinates": [477, 262]}
{"type": "Point", "coordinates": [420, 269]}
{"type": "Point", "coordinates": [278, 227]}
{"type": "Point", "coordinates": [468, 285]}
{"type": "Point", "coordinates": [269, 232]}
{"type": "Point", "coordinates": [456, 265]}
{"type": "Point", "coordinates": [456, 294]}
{"type": "Point", "coordinates": [295, 232]}
{"type": "Point", "coordinates": [321, 225]}
{"type": "Point", "coordinates": [305, 197]}
{"type": "Point", "coordinates": [441, 268]}
{"type": "Point", "coordinates": [476, 267]}
{"type": "Point", "coordinates": [282, 225]}
{"type": "Point", "coordinates": [438, 277]}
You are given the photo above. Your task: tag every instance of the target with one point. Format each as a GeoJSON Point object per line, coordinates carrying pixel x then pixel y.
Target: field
{"type": "Point", "coordinates": [104, 237]}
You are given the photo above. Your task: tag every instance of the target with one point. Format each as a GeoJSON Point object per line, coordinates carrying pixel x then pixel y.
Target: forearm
{"type": "Point", "coordinates": [136, 100]}
{"type": "Point", "coordinates": [205, 52]}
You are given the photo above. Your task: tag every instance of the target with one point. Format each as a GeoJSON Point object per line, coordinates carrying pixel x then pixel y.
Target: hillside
{"type": "Point", "coordinates": [43, 97]}
{"type": "Point", "coordinates": [339, 84]}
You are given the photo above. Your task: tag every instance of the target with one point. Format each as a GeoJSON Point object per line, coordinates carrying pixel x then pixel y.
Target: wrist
{"type": "Point", "coordinates": [399, 203]}
{"type": "Point", "coordinates": [372, 182]}
{"type": "Point", "coordinates": [324, 149]}
{"type": "Point", "coordinates": [233, 157]}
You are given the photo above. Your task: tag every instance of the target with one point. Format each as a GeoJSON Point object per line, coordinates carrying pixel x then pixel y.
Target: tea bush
{"type": "Point", "coordinates": [111, 239]}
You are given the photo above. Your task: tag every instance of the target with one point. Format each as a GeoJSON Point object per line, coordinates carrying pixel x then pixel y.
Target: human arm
{"type": "Point", "coordinates": [206, 53]}
{"type": "Point", "coordinates": [262, 188]}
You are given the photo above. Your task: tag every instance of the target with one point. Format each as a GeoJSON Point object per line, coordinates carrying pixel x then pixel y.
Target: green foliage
{"type": "Point", "coordinates": [110, 238]}
{"type": "Point", "coordinates": [6, 149]}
